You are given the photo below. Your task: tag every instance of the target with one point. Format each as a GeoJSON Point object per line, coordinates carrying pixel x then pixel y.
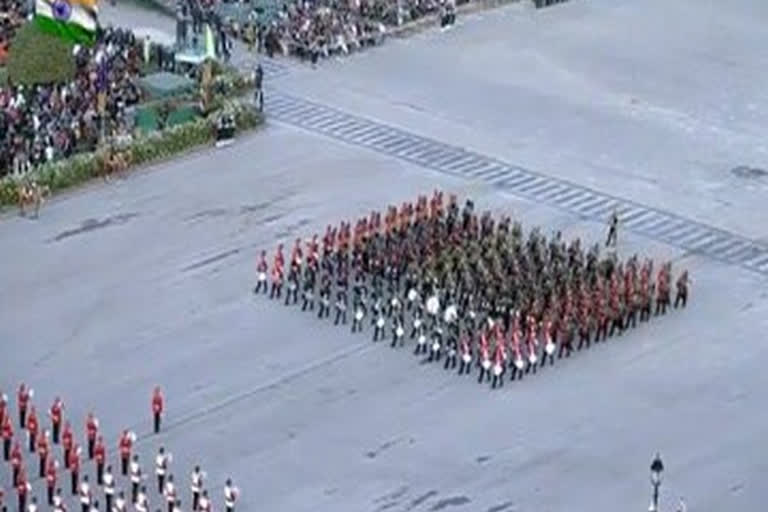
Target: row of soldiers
{"type": "Point", "coordinates": [470, 288]}
{"type": "Point", "coordinates": [41, 441]}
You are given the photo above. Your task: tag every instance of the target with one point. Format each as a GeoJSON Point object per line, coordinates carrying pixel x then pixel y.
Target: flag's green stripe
{"type": "Point", "coordinates": [68, 31]}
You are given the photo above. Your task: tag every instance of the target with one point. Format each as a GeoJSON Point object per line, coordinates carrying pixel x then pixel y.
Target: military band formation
{"type": "Point", "coordinates": [30, 454]}
{"type": "Point", "coordinates": [467, 291]}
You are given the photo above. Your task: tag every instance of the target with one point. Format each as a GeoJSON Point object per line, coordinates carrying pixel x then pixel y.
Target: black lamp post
{"type": "Point", "coordinates": [657, 468]}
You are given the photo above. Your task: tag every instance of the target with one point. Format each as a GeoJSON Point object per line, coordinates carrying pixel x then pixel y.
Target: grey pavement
{"type": "Point", "coordinates": [144, 281]}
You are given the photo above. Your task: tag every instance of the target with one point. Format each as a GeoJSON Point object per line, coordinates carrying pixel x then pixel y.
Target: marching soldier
{"type": "Point", "coordinates": [613, 230]}
{"type": "Point", "coordinates": [142, 501]}
{"type": "Point", "coordinates": [74, 467]}
{"type": "Point", "coordinates": [136, 478]}
{"type": "Point", "coordinates": [50, 478]}
{"type": "Point", "coordinates": [549, 344]}
{"type": "Point", "coordinates": [3, 407]}
{"type": "Point", "coordinates": [91, 431]}
{"type": "Point", "coordinates": [16, 463]}
{"type": "Point", "coordinates": [56, 414]}
{"type": "Point", "coordinates": [125, 446]}
{"type": "Point", "coordinates": [197, 487]}
{"type": "Point", "coordinates": [499, 364]}
{"type": "Point", "coordinates": [33, 428]}
{"type": "Point", "coordinates": [452, 357]}
{"type": "Point", "coordinates": [261, 274]}
{"type": "Point", "coordinates": [120, 503]}
{"type": "Point", "coordinates": [43, 450]}
{"type": "Point", "coordinates": [341, 308]}
{"type": "Point", "coordinates": [231, 493]}
{"type": "Point", "coordinates": [6, 430]}
{"type": "Point", "coordinates": [379, 323]}
{"type": "Point", "coordinates": [277, 274]}
{"type": "Point", "coordinates": [398, 332]}
{"type": "Point", "coordinates": [23, 488]}
{"type": "Point", "coordinates": [170, 493]}
{"type": "Point", "coordinates": [158, 404]}
{"type": "Point", "coordinates": [205, 502]}
{"type": "Point", "coordinates": [437, 344]}
{"type": "Point", "coordinates": [682, 290]}
{"type": "Point", "coordinates": [358, 316]}
{"type": "Point", "coordinates": [485, 359]}
{"type": "Point", "coordinates": [100, 454]}
{"type": "Point", "coordinates": [292, 294]}
{"type": "Point", "coordinates": [58, 502]}
{"type": "Point", "coordinates": [85, 495]}
{"type": "Point", "coordinates": [109, 488]}
{"type": "Point", "coordinates": [466, 355]}
{"type": "Point", "coordinates": [161, 468]}
{"type": "Point", "coordinates": [662, 288]}
{"type": "Point", "coordinates": [67, 442]}
{"type": "Point", "coordinates": [23, 396]}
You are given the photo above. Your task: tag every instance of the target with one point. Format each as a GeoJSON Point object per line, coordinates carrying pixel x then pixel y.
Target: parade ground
{"type": "Point", "coordinates": [655, 108]}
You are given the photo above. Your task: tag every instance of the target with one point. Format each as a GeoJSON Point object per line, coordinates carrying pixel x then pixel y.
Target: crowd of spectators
{"type": "Point", "coordinates": [12, 15]}
{"type": "Point", "coordinates": [46, 122]}
{"type": "Point", "coordinates": [313, 29]}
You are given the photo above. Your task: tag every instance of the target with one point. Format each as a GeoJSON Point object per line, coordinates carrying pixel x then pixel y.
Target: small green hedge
{"type": "Point", "coordinates": [143, 150]}
{"type": "Point", "coordinates": [38, 58]}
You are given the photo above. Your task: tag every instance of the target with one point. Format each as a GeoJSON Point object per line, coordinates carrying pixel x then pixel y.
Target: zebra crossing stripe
{"type": "Point", "coordinates": [696, 236]}
{"type": "Point", "coordinates": [376, 137]}
{"type": "Point", "coordinates": [603, 211]}
{"type": "Point", "coordinates": [397, 144]}
{"type": "Point", "coordinates": [761, 262]}
{"type": "Point", "coordinates": [739, 251]}
{"type": "Point", "coordinates": [342, 129]}
{"type": "Point", "coordinates": [636, 216]}
{"type": "Point", "coordinates": [703, 241]}
{"type": "Point", "coordinates": [489, 170]}
{"type": "Point", "coordinates": [513, 182]}
{"type": "Point", "coordinates": [719, 245]}
{"type": "Point", "coordinates": [471, 169]}
{"type": "Point", "coordinates": [360, 135]}
{"type": "Point", "coordinates": [460, 162]}
{"type": "Point", "coordinates": [448, 157]}
{"type": "Point", "coordinates": [683, 233]}
{"type": "Point", "coordinates": [551, 191]}
{"type": "Point", "coordinates": [568, 196]}
{"type": "Point", "coordinates": [324, 121]}
{"type": "Point", "coordinates": [422, 151]}
{"type": "Point", "coordinates": [594, 203]}
{"type": "Point", "coordinates": [671, 228]}
{"type": "Point", "coordinates": [496, 175]}
{"type": "Point", "coordinates": [658, 222]}
{"type": "Point", "coordinates": [535, 183]}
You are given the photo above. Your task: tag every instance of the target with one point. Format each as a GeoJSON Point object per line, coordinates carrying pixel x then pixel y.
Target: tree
{"type": "Point", "coordinates": [37, 58]}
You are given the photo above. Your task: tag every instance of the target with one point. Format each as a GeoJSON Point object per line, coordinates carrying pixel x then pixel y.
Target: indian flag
{"type": "Point", "coordinates": [74, 20]}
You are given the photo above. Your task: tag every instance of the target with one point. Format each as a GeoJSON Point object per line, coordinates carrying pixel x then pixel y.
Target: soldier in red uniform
{"type": "Point", "coordinates": [16, 462]}
{"type": "Point", "coordinates": [6, 430]}
{"type": "Point", "coordinates": [125, 446]}
{"type": "Point", "coordinates": [532, 345]}
{"type": "Point", "coordinates": [24, 394]}
{"type": "Point", "coordinates": [277, 281]}
{"type": "Point", "coordinates": [23, 487]}
{"type": "Point", "coordinates": [157, 407]}
{"type": "Point", "coordinates": [67, 442]}
{"type": "Point", "coordinates": [50, 478]}
{"type": "Point", "coordinates": [3, 407]}
{"type": "Point", "coordinates": [91, 431]}
{"type": "Point", "coordinates": [547, 328]}
{"type": "Point", "coordinates": [662, 289]}
{"type": "Point", "coordinates": [261, 274]}
{"type": "Point", "coordinates": [74, 467]}
{"type": "Point", "coordinates": [33, 428]}
{"type": "Point", "coordinates": [43, 451]}
{"type": "Point", "coordinates": [682, 289]}
{"type": "Point", "coordinates": [100, 454]}
{"type": "Point", "coordinates": [485, 359]}
{"type": "Point", "coordinates": [601, 318]}
{"type": "Point", "coordinates": [56, 413]}
{"type": "Point", "coordinates": [465, 350]}
{"type": "Point", "coordinates": [499, 363]}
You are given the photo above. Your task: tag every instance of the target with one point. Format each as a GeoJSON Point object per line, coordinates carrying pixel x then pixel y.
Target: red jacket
{"type": "Point", "coordinates": [100, 452]}
{"type": "Point", "coordinates": [42, 445]}
{"type": "Point", "coordinates": [23, 486]}
{"type": "Point", "coordinates": [66, 437]}
{"type": "Point", "coordinates": [157, 402]}
{"type": "Point", "coordinates": [7, 428]}
{"type": "Point", "coordinates": [91, 427]}
{"type": "Point", "coordinates": [55, 412]}
{"type": "Point", "coordinates": [50, 473]}
{"type": "Point", "coordinates": [23, 397]}
{"type": "Point", "coordinates": [16, 455]}
{"type": "Point", "coordinates": [74, 460]}
{"type": "Point", "coordinates": [125, 445]}
{"type": "Point", "coordinates": [32, 424]}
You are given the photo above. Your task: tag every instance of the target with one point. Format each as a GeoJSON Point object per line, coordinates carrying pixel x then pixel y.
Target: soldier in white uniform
{"type": "Point", "coordinates": [196, 487]}
{"type": "Point", "coordinates": [136, 478]}
{"type": "Point", "coordinates": [231, 494]}
{"type": "Point", "coordinates": [109, 488]}
{"type": "Point", "coordinates": [161, 468]}
{"type": "Point", "coordinates": [170, 493]}
{"type": "Point", "coordinates": [378, 326]}
{"type": "Point", "coordinates": [142, 501]}
{"type": "Point", "coordinates": [120, 504]}
{"type": "Point", "coordinates": [85, 494]}
{"type": "Point", "coordinates": [398, 332]}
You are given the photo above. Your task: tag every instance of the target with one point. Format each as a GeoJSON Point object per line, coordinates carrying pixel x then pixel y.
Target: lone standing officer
{"type": "Point", "coordinates": [613, 230]}
{"type": "Point", "coordinates": [157, 407]}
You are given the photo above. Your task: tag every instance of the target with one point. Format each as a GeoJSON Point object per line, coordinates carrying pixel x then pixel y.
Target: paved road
{"type": "Point", "coordinates": [146, 280]}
